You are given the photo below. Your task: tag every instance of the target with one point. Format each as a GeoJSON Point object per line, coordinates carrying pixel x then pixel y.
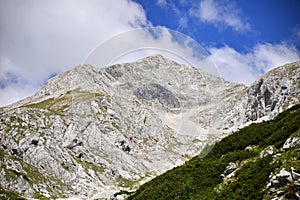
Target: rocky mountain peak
{"type": "Point", "coordinates": [100, 130]}
{"type": "Point", "coordinates": [157, 58]}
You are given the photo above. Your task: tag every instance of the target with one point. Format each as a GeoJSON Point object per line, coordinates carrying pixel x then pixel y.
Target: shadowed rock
{"type": "Point", "coordinates": [155, 91]}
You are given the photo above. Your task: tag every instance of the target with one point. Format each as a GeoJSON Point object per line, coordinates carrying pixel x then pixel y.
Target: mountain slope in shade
{"type": "Point", "coordinates": [98, 131]}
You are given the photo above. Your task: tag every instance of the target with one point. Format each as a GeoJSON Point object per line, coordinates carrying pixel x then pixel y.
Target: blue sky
{"type": "Point", "coordinates": [41, 38]}
{"type": "Point", "coordinates": [257, 21]}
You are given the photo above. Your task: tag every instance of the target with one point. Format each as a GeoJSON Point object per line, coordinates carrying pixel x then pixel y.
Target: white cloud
{"type": "Point", "coordinates": [13, 93]}
{"type": "Point", "coordinates": [246, 67]}
{"type": "Point", "coordinates": [162, 3]}
{"type": "Point", "coordinates": [183, 22]}
{"type": "Point", "coordinates": [208, 11]}
{"type": "Point", "coordinates": [268, 56]}
{"type": "Point", "coordinates": [39, 38]}
{"type": "Point", "coordinates": [232, 65]}
{"type": "Point", "coordinates": [220, 14]}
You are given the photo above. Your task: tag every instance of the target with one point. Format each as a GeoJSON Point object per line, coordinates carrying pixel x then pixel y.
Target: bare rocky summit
{"type": "Point", "coordinates": [91, 132]}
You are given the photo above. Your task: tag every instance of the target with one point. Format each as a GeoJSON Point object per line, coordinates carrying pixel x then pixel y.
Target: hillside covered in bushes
{"type": "Point", "coordinates": [260, 161]}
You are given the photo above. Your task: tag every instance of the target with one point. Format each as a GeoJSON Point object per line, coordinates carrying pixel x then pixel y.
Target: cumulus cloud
{"type": "Point", "coordinates": [220, 14]}
{"type": "Point", "coordinates": [246, 67]}
{"type": "Point", "coordinates": [39, 38]}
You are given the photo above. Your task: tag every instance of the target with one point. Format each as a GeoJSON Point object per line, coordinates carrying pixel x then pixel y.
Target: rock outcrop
{"type": "Point", "coordinates": [284, 179]}
{"type": "Point", "coordinates": [273, 92]}
{"type": "Point", "coordinates": [229, 171]}
{"type": "Point", "coordinates": [270, 150]}
{"type": "Point", "coordinates": [292, 142]}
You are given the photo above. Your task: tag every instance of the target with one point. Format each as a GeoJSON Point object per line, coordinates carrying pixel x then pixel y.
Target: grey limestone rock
{"type": "Point", "coordinates": [155, 91]}
{"type": "Point", "coordinates": [230, 170]}
{"type": "Point", "coordinates": [291, 142]}
{"type": "Point", "coordinates": [270, 150]}
{"type": "Point", "coordinates": [282, 179]}
{"type": "Point", "coordinates": [91, 132]}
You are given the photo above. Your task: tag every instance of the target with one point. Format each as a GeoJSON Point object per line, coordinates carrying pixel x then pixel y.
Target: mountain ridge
{"type": "Point", "coordinates": [100, 130]}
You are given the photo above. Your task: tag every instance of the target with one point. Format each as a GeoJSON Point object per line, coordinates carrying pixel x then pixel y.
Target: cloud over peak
{"type": "Point", "coordinates": [246, 67]}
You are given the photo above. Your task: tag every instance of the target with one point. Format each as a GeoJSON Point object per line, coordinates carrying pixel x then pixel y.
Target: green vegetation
{"type": "Point", "coordinates": [59, 104]}
{"type": "Point", "coordinates": [42, 104]}
{"type": "Point", "coordinates": [86, 165]}
{"type": "Point", "coordinates": [200, 178]}
{"type": "Point", "coordinates": [126, 183]}
{"type": "Point", "coordinates": [116, 126]}
{"type": "Point", "coordinates": [7, 195]}
{"type": "Point", "coordinates": [233, 89]}
{"type": "Point", "coordinates": [39, 196]}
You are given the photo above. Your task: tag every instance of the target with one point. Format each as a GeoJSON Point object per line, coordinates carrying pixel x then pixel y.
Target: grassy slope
{"type": "Point", "coordinates": [200, 178]}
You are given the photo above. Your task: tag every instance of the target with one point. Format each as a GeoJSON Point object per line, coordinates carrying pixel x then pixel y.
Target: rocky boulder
{"type": "Point", "coordinates": [291, 143]}
{"type": "Point", "coordinates": [270, 150]}
{"type": "Point", "coordinates": [229, 171]}
{"type": "Point", "coordinates": [283, 179]}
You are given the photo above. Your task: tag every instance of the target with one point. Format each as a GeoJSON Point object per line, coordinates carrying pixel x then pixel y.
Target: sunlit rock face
{"type": "Point", "coordinates": [95, 131]}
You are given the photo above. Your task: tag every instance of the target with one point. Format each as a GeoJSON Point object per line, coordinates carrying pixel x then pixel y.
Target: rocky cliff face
{"type": "Point", "coordinates": [269, 95]}
{"type": "Point", "coordinates": [97, 131]}
{"type": "Point", "coordinates": [273, 92]}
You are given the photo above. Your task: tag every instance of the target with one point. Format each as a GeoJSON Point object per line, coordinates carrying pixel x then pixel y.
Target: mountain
{"type": "Point", "coordinates": [260, 161]}
{"type": "Point", "coordinates": [91, 132]}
